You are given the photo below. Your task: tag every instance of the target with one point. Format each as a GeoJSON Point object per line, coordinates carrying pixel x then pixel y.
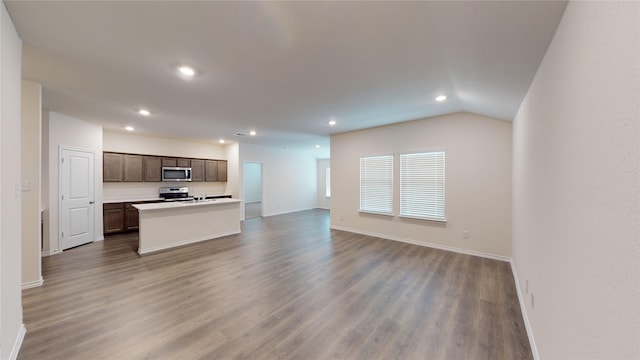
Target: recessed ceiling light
{"type": "Point", "coordinates": [332, 122]}
{"type": "Point", "coordinates": [317, 146]}
{"type": "Point", "coordinates": [441, 98]}
{"type": "Point", "coordinates": [252, 133]}
{"type": "Point", "coordinates": [144, 112]}
{"type": "Point", "coordinates": [129, 128]}
{"type": "Point", "coordinates": [221, 141]}
{"type": "Point", "coordinates": [186, 70]}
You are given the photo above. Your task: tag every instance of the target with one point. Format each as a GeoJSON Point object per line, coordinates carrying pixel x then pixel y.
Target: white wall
{"type": "Point", "coordinates": [576, 180]}
{"type": "Point", "coordinates": [31, 164]}
{"type": "Point", "coordinates": [288, 178]}
{"type": "Point", "coordinates": [323, 201]}
{"type": "Point", "coordinates": [252, 182]}
{"type": "Point", "coordinates": [78, 134]}
{"type": "Point", "coordinates": [11, 327]}
{"type": "Point", "coordinates": [161, 146]}
{"type": "Point", "coordinates": [478, 182]}
{"type": "Point", "coordinates": [232, 152]}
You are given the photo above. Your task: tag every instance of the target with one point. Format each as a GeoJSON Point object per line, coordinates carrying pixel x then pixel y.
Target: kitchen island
{"type": "Point", "coordinates": [171, 224]}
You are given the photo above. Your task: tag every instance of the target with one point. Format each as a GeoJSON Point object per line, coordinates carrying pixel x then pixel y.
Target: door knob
{"type": "Point", "coordinates": [90, 202]}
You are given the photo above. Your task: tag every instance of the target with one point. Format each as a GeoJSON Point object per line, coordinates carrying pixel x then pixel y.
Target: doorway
{"type": "Point", "coordinates": [77, 197]}
{"type": "Point", "coordinates": [252, 174]}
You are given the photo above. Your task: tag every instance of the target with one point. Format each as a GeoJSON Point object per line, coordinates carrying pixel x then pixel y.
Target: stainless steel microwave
{"type": "Point", "coordinates": [176, 174]}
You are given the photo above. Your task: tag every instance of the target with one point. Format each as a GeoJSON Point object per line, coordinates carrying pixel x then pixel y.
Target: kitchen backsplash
{"type": "Point", "coordinates": [124, 191]}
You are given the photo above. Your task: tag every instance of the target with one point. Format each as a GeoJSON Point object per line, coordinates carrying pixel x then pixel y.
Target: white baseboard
{"type": "Point", "coordinates": [523, 309]}
{"type": "Point", "coordinates": [18, 344]}
{"type": "Point", "coordinates": [50, 252]}
{"type": "Point", "coordinates": [100, 238]}
{"type": "Point", "coordinates": [33, 284]}
{"type": "Point", "coordinates": [426, 244]}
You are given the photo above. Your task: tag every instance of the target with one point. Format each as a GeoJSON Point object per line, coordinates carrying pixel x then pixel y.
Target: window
{"type": "Point", "coordinates": [327, 182]}
{"type": "Point", "coordinates": [376, 184]}
{"type": "Point", "coordinates": [422, 185]}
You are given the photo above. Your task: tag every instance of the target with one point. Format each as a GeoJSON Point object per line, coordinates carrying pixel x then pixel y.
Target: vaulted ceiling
{"type": "Point", "coordinates": [283, 69]}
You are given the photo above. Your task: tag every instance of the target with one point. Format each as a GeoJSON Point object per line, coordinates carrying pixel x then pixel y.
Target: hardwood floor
{"type": "Point", "coordinates": [286, 288]}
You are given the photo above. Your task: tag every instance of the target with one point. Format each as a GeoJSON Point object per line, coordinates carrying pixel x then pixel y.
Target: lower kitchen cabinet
{"type": "Point", "coordinates": [131, 217]}
{"type": "Point", "coordinates": [119, 217]}
{"type": "Point", "coordinates": [113, 218]}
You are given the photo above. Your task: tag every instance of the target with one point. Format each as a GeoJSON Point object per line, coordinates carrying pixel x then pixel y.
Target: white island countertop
{"type": "Point", "coordinates": [183, 204]}
{"type": "Point", "coordinates": [166, 225]}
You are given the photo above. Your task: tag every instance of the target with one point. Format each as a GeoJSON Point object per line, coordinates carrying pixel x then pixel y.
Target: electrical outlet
{"type": "Point", "coordinates": [533, 304]}
{"type": "Point", "coordinates": [465, 235]}
{"type": "Point", "coordinates": [526, 289]}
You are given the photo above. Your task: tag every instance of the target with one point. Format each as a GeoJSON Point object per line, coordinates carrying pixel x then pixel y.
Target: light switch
{"type": "Point", "coordinates": [26, 185]}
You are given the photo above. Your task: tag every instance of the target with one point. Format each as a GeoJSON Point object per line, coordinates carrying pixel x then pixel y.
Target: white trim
{"type": "Point", "coordinates": [426, 244]}
{"type": "Point", "coordinates": [50, 252]}
{"type": "Point", "coordinates": [33, 284]}
{"type": "Point", "coordinates": [18, 344]}
{"type": "Point", "coordinates": [523, 309]}
{"type": "Point", "coordinates": [100, 238]}
{"type": "Point", "coordinates": [186, 242]}
{"type": "Point", "coordinates": [382, 213]}
{"type": "Point", "coordinates": [442, 220]}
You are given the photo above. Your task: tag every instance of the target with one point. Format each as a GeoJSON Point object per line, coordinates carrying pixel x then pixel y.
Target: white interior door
{"type": "Point", "coordinates": [76, 197]}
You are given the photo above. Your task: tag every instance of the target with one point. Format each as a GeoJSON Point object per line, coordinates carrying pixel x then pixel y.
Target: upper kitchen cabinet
{"type": "Point", "coordinates": [222, 170]}
{"type": "Point", "coordinates": [152, 167]}
{"type": "Point", "coordinates": [113, 167]}
{"type": "Point", "coordinates": [215, 170]}
{"type": "Point", "coordinates": [132, 168]}
{"type": "Point", "coordinates": [176, 162]}
{"type": "Point", "coordinates": [119, 167]}
{"type": "Point", "coordinates": [210, 170]}
{"type": "Point", "coordinates": [197, 170]}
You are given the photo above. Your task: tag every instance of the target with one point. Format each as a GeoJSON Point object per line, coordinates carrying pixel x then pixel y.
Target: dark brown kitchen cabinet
{"type": "Point", "coordinates": [197, 170]}
{"type": "Point", "coordinates": [113, 167]}
{"type": "Point", "coordinates": [176, 162]}
{"type": "Point", "coordinates": [170, 162]}
{"type": "Point", "coordinates": [113, 218]}
{"type": "Point", "coordinates": [152, 168]}
{"type": "Point", "coordinates": [119, 167]}
{"type": "Point", "coordinates": [131, 218]}
{"type": "Point", "coordinates": [222, 170]}
{"type": "Point", "coordinates": [210, 170]}
{"type": "Point", "coordinates": [215, 170]}
{"type": "Point", "coordinates": [132, 168]}
{"type": "Point", "coordinates": [120, 217]}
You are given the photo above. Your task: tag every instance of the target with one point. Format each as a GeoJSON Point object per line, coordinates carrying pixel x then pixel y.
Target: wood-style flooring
{"type": "Point", "coordinates": [287, 287]}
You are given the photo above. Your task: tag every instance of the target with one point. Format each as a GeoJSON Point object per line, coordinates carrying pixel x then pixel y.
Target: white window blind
{"type": "Point", "coordinates": [327, 181]}
{"type": "Point", "coordinates": [422, 185]}
{"type": "Point", "coordinates": [376, 184]}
